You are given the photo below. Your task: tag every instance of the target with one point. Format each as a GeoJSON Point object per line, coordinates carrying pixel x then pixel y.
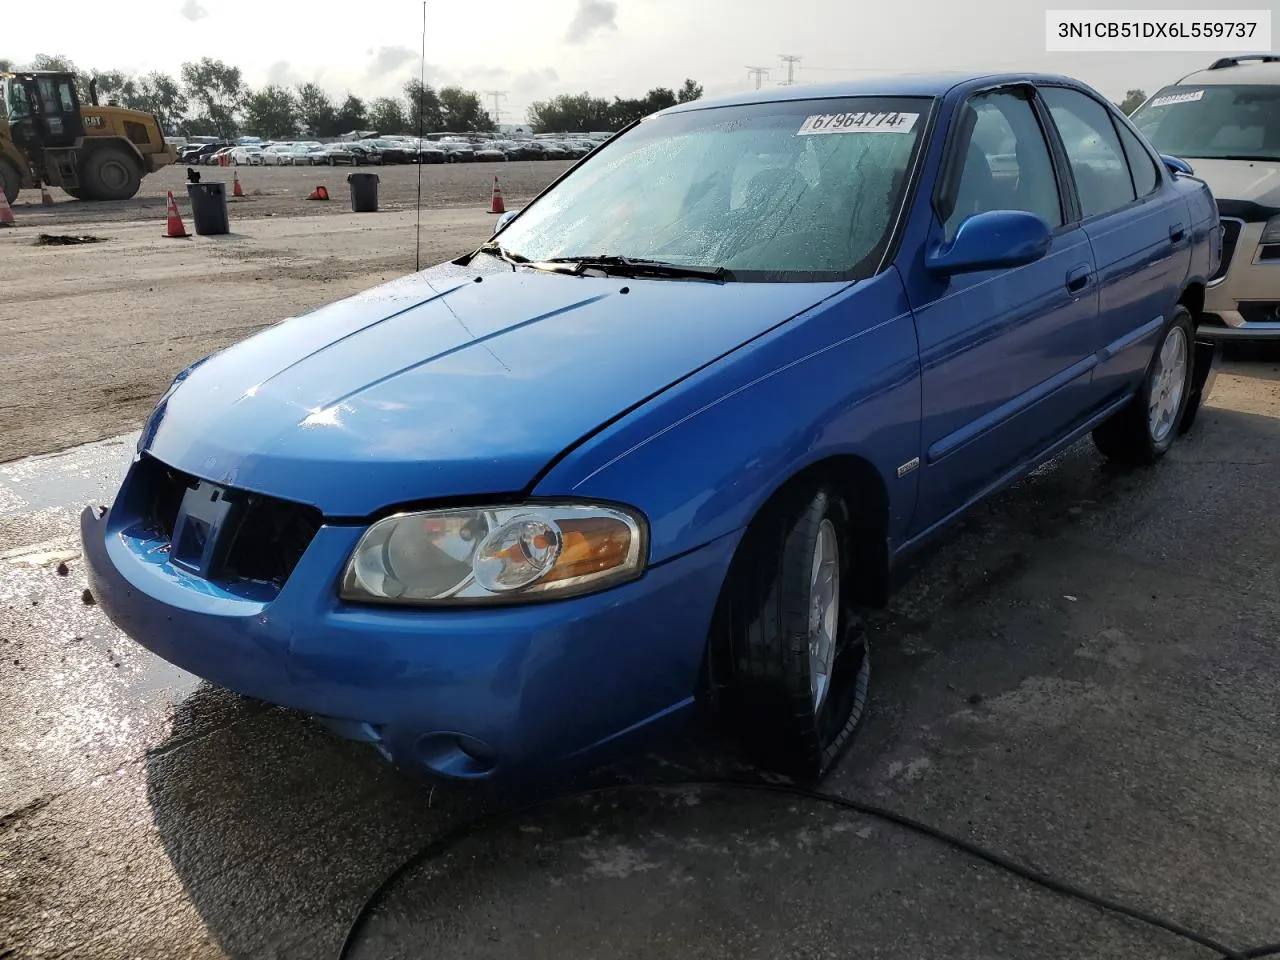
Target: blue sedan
{"type": "Point", "coordinates": [656, 444]}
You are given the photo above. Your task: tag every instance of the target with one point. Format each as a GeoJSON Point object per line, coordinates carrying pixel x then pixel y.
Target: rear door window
{"type": "Point", "coordinates": [1145, 175]}
{"type": "Point", "coordinates": [1093, 150]}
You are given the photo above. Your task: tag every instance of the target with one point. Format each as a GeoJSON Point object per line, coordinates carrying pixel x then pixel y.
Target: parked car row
{"type": "Point", "coordinates": [535, 149]}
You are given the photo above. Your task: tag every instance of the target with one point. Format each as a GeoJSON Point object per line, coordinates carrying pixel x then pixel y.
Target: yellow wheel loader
{"type": "Point", "coordinates": [90, 151]}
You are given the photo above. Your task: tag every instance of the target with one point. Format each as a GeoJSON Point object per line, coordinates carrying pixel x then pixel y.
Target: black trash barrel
{"type": "Point", "coordinates": [209, 208]}
{"type": "Point", "coordinates": [364, 192]}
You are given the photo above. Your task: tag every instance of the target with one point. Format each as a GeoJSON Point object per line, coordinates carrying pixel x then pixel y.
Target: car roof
{"type": "Point", "coordinates": [936, 84]}
{"type": "Point", "coordinates": [1251, 68]}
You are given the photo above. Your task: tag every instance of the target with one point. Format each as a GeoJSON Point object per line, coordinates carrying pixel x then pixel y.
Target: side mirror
{"type": "Point", "coordinates": [997, 239]}
{"type": "Point", "coordinates": [505, 219]}
{"type": "Point", "coordinates": [1177, 166]}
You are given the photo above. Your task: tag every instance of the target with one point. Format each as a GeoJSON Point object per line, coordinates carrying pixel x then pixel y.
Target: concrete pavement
{"type": "Point", "coordinates": [1083, 677]}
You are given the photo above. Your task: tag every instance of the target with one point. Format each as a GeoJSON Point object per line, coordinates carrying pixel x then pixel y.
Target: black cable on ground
{"type": "Point", "coordinates": [442, 844]}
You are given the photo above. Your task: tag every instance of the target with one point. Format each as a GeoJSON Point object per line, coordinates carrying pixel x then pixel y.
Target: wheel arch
{"type": "Point", "coordinates": [863, 488]}
{"type": "Point", "coordinates": [88, 146]}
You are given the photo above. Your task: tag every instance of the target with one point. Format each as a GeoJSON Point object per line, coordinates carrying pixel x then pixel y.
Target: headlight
{"type": "Point", "coordinates": [1271, 232]}
{"type": "Point", "coordinates": [508, 554]}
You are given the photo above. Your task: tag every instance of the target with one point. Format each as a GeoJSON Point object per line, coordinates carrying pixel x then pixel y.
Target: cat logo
{"type": "Point", "coordinates": [95, 122]}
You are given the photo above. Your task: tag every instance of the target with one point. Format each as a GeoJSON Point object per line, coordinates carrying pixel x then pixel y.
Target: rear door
{"type": "Point", "coordinates": [1138, 228]}
{"type": "Point", "coordinates": [1006, 355]}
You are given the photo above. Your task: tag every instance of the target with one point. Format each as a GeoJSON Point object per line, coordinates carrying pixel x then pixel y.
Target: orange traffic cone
{"type": "Point", "coordinates": [319, 193]}
{"type": "Point", "coordinates": [175, 226]}
{"type": "Point", "coordinates": [6, 212]}
{"type": "Point", "coordinates": [46, 198]}
{"type": "Point", "coordinates": [236, 191]}
{"type": "Point", "coordinates": [497, 206]}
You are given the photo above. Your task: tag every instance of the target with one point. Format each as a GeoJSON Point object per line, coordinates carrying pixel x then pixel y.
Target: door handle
{"type": "Point", "coordinates": [1176, 232]}
{"type": "Point", "coordinates": [1078, 278]}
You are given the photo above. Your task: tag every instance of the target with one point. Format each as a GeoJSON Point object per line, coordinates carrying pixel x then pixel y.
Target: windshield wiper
{"type": "Point", "coordinates": [638, 267]}
{"type": "Point", "coordinates": [502, 253]}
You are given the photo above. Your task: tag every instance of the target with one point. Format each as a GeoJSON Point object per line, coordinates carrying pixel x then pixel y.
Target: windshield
{"type": "Point", "coordinates": [1214, 122]}
{"type": "Point", "coordinates": [795, 191]}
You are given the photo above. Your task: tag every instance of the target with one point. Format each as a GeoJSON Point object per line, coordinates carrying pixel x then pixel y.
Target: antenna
{"type": "Point", "coordinates": [791, 62]}
{"type": "Point", "coordinates": [758, 73]}
{"type": "Point", "coordinates": [497, 110]}
{"type": "Point", "coordinates": [422, 73]}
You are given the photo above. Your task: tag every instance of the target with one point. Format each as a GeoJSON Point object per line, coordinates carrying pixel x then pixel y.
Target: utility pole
{"type": "Point", "coordinates": [498, 95]}
{"type": "Point", "coordinates": [791, 62]}
{"type": "Point", "coordinates": [758, 73]}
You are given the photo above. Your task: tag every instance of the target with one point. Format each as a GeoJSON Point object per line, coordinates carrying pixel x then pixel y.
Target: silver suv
{"type": "Point", "coordinates": [1225, 122]}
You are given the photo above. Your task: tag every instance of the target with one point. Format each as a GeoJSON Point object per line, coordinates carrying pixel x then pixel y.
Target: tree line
{"type": "Point", "coordinates": [1133, 99]}
{"type": "Point", "coordinates": [210, 98]}
{"type": "Point", "coordinates": [584, 112]}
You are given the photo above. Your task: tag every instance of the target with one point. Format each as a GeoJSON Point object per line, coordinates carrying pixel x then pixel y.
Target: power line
{"type": "Point", "coordinates": [791, 62]}
{"type": "Point", "coordinates": [758, 73]}
{"type": "Point", "coordinates": [498, 96]}
{"type": "Point", "coordinates": [848, 69]}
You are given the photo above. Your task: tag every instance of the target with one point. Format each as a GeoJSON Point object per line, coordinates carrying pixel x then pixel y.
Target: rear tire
{"type": "Point", "coordinates": [109, 174]}
{"type": "Point", "coordinates": [788, 661]}
{"type": "Point", "coordinates": [74, 193]}
{"type": "Point", "coordinates": [1142, 432]}
{"type": "Point", "coordinates": [10, 181]}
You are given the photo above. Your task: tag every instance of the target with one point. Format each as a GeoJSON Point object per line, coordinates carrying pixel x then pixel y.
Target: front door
{"type": "Point", "coordinates": [1006, 355]}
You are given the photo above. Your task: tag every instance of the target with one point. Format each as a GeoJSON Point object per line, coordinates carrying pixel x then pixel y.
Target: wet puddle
{"type": "Point", "coordinates": [74, 478]}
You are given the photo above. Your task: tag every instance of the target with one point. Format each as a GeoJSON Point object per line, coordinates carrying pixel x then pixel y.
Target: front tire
{"type": "Point", "coordinates": [110, 174]}
{"type": "Point", "coordinates": [789, 661]}
{"type": "Point", "coordinates": [10, 181]}
{"type": "Point", "coordinates": [1142, 432]}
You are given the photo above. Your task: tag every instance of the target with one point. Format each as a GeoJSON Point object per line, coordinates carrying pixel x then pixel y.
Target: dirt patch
{"type": "Point", "coordinates": [63, 240]}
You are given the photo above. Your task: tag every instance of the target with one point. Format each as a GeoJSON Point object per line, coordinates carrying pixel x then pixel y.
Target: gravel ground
{"type": "Point", "coordinates": [282, 191]}
{"type": "Point", "coordinates": [92, 334]}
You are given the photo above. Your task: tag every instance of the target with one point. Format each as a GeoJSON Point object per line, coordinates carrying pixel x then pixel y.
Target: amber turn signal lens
{"type": "Point", "coordinates": [590, 545]}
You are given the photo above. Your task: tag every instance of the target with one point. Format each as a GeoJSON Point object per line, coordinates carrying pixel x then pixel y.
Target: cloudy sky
{"type": "Point", "coordinates": [532, 50]}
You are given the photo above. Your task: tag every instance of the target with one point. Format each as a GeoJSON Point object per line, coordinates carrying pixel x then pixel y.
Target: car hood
{"type": "Point", "coordinates": [447, 383]}
{"type": "Point", "coordinates": [1250, 181]}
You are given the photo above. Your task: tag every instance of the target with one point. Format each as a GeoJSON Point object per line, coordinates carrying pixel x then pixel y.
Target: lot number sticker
{"type": "Point", "coordinates": [1191, 97]}
{"type": "Point", "coordinates": [858, 123]}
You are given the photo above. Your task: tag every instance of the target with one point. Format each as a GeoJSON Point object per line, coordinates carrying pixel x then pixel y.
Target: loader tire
{"type": "Point", "coordinates": [109, 173]}
{"type": "Point", "coordinates": [10, 181]}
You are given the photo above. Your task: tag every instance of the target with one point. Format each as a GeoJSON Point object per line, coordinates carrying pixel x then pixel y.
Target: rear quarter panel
{"type": "Point", "coordinates": [1206, 229]}
{"type": "Point", "coordinates": [700, 459]}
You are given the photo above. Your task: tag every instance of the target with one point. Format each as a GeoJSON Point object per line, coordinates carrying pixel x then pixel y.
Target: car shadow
{"type": "Point", "coordinates": [1261, 360]}
{"type": "Point", "coordinates": [279, 831]}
